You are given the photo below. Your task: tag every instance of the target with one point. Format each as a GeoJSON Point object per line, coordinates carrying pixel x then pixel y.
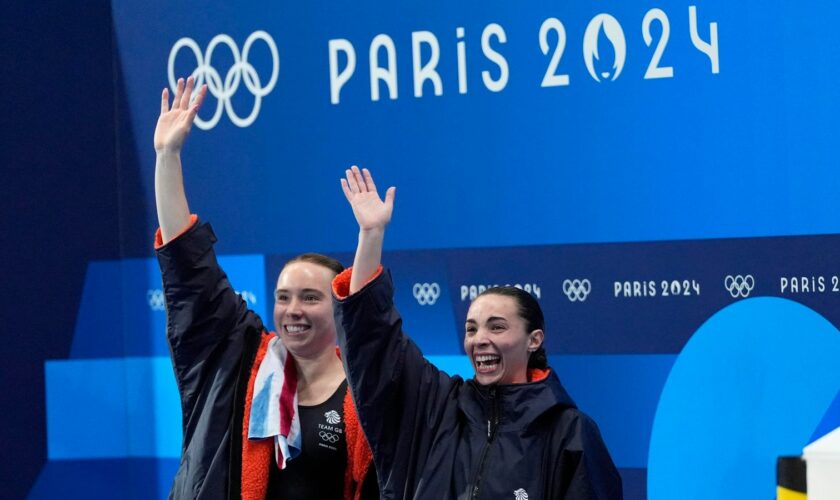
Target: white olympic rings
{"type": "Point", "coordinates": [328, 437]}
{"type": "Point", "coordinates": [241, 70]}
{"type": "Point", "coordinates": [577, 290]}
{"type": "Point", "coordinates": [426, 293]}
{"type": "Point", "coordinates": [739, 286]}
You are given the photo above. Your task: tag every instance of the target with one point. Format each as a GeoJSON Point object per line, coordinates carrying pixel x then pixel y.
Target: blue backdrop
{"type": "Point", "coordinates": [654, 173]}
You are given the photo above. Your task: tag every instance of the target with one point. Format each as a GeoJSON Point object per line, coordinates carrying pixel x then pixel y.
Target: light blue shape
{"type": "Point", "coordinates": [259, 406]}
{"type": "Point", "coordinates": [86, 409]}
{"type": "Point", "coordinates": [830, 421]}
{"type": "Point", "coordinates": [112, 408]}
{"type": "Point", "coordinates": [153, 408]}
{"type": "Point", "coordinates": [751, 384]}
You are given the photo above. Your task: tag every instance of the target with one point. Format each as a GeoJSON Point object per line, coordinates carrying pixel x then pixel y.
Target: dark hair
{"type": "Point", "coordinates": [317, 259]}
{"type": "Point", "coordinates": [530, 311]}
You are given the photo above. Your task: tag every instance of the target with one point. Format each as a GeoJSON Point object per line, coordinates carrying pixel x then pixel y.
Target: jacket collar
{"type": "Point", "coordinates": [517, 404]}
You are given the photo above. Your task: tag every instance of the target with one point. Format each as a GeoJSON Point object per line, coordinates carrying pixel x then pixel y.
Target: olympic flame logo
{"type": "Point", "coordinates": [614, 35]}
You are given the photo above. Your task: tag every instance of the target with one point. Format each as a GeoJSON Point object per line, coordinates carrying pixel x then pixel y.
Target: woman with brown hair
{"type": "Point", "coordinates": [510, 432]}
{"type": "Point", "coordinates": [265, 415]}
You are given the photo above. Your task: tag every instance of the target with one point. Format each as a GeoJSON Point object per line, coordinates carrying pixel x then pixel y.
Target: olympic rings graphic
{"type": "Point", "coordinates": [329, 437]}
{"type": "Point", "coordinates": [739, 286]}
{"type": "Point", "coordinates": [241, 70]}
{"type": "Point", "coordinates": [156, 300]}
{"type": "Point", "coordinates": [426, 293]}
{"type": "Point", "coordinates": [577, 290]}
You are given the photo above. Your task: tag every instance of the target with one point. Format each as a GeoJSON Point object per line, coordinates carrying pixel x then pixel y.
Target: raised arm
{"type": "Point", "coordinates": [372, 215]}
{"type": "Point", "coordinates": [171, 131]}
{"type": "Point", "coordinates": [401, 397]}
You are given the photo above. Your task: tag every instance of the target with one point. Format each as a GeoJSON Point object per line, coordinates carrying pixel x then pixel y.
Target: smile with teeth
{"type": "Point", "coordinates": [487, 362]}
{"type": "Point", "coordinates": [296, 329]}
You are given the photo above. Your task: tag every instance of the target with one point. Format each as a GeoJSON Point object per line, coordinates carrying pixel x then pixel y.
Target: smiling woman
{"type": "Point", "coordinates": [511, 431]}
{"type": "Point", "coordinates": [264, 415]}
{"type": "Point", "coordinates": [303, 313]}
{"type": "Point", "coordinates": [504, 336]}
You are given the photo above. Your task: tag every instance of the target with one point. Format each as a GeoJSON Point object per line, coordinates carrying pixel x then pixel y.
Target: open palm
{"type": "Point", "coordinates": [174, 123]}
{"type": "Point", "coordinates": [370, 210]}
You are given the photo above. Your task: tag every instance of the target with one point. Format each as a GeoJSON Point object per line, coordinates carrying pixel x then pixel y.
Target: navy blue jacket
{"type": "Point", "coordinates": [213, 338]}
{"type": "Point", "coordinates": [439, 437]}
{"type": "Point", "coordinates": [215, 341]}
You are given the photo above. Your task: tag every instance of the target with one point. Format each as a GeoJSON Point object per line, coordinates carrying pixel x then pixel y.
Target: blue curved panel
{"type": "Point", "coordinates": [752, 384]}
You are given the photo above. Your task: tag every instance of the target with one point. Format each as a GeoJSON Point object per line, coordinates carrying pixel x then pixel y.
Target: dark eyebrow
{"type": "Point", "coordinates": [491, 318]}
{"type": "Point", "coordinates": [305, 290]}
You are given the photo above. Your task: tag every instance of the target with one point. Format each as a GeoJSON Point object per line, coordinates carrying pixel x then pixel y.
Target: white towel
{"type": "Point", "coordinates": [274, 409]}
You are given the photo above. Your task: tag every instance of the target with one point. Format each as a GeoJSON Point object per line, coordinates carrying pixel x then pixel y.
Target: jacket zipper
{"type": "Point", "coordinates": [492, 424]}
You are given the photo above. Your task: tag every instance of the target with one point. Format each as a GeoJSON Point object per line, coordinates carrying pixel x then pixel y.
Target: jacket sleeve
{"type": "Point", "coordinates": [585, 470]}
{"type": "Point", "coordinates": [401, 398]}
{"type": "Point", "coordinates": [206, 318]}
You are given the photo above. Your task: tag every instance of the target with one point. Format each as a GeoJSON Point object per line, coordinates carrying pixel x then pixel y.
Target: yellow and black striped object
{"type": "Point", "coordinates": [790, 479]}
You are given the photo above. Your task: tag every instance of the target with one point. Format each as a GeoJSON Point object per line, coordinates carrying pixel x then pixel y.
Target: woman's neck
{"type": "Point", "coordinates": [318, 377]}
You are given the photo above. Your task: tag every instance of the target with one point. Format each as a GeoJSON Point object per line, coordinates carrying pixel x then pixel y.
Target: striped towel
{"type": "Point", "coordinates": [274, 410]}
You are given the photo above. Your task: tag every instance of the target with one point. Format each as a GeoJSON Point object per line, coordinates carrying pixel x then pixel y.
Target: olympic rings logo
{"type": "Point", "coordinates": [739, 286]}
{"type": "Point", "coordinates": [426, 293]}
{"type": "Point", "coordinates": [156, 300]}
{"type": "Point", "coordinates": [241, 70]}
{"type": "Point", "coordinates": [329, 437]}
{"type": "Point", "coordinates": [577, 290]}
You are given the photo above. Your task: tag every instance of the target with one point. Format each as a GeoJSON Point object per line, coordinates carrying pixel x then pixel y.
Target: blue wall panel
{"type": "Point", "coordinates": [662, 223]}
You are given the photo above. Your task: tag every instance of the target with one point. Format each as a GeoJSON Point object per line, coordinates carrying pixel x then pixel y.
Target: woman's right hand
{"type": "Point", "coordinates": [371, 212]}
{"type": "Point", "coordinates": [174, 123]}
{"type": "Point", "coordinates": [373, 215]}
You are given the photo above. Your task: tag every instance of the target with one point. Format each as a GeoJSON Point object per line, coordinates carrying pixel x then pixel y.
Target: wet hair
{"type": "Point", "coordinates": [530, 311]}
{"type": "Point", "coordinates": [317, 259]}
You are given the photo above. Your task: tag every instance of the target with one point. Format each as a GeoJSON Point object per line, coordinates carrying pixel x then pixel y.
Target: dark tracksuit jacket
{"type": "Point", "coordinates": [217, 344]}
{"type": "Point", "coordinates": [439, 437]}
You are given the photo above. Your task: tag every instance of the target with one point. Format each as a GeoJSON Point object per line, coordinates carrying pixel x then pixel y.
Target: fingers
{"type": "Point", "coordinates": [185, 99]}
{"type": "Point", "coordinates": [389, 197]}
{"type": "Point", "coordinates": [199, 98]}
{"type": "Point", "coordinates": [351, 180]}
{"type": "Point", "coordinates": [368, 179]}
{"type": "Point", "coordinates": [347, 193]}
{"type": "Point", "coordinates": [164, 101]}
{"type": "Point", "coordinates": [196, 105]}
{"type": "Point", "coordinates": [179, 91]}
{"type": "Point", "coordinates": [360, 181]}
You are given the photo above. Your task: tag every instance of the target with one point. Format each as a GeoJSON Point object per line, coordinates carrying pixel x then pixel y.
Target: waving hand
{"type": "Point", "coordinates": [372, 215]}
{"type": "Point", "coordinates": [174, 123]}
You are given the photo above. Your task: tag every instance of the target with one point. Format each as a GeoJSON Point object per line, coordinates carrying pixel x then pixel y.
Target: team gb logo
{"type": "Point", "coordinates": [332, 417]}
